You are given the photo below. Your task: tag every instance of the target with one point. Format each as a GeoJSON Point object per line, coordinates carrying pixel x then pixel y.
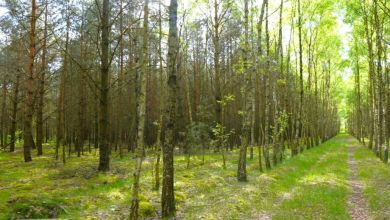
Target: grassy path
{"type": "Point", "coordinates": [321, 191]}
{"type": "Point", "coordinates": [358, 206]}
{"type": "Point", "coordinates": [321, 183]}
{"type": "Point", "coordinates": [374, 176]}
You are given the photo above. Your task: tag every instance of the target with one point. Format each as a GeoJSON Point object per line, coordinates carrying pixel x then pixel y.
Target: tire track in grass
{"type": "Point", "coordinates": [375, 177]}
{"type": "Point", "coordinates": [357, 204]}
{"type": "Point", "coordinates": [288, 194]}
{"type": "Point", "coordinates": [321, 193]}
{"type": "Point", "coordinates": [266, 215]}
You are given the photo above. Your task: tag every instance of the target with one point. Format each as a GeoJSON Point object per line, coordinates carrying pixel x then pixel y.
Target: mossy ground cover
{"type": "Point", "coordinates": [312, 184]}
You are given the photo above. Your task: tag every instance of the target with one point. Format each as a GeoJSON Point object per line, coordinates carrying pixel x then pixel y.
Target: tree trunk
{"type": "Point", "coordinates": [121, 124]}
{"type": "Point", "coordinates": [380, 95]}
{"type": "Point", "coordinates": [141, 114]}
{"type": "Point", "coordinates": [61, 99]}
{"type": "Point", "coordinates": [246, 117]}
{"type": "Point", "coordinates": [41, 89]}
{"type": "Point", "coordinates": [15, 103]}
{"type": "Point", "coordinates": [267, 81]}
{"type": "Point", "coordinates": [80, 137]}
{"type": "Point", "coordinates": [258, 68]}
{"type": "Point", "coordinates": [167, 196]}
{"type": "Point", "coordinates": [371, 79]}
{"type": "Point", "coordinates": [216, 41]}
{"type": "Point", "coordinates": [104, 148]}
{"type": "Point", "coordinates": [299, 126]}
{"type": "Point", "coordinates": [29, 106]}
{"type": "Point", "coordinates": [162, 97]}
{"type": "Point", "coordinates": [386, 115]}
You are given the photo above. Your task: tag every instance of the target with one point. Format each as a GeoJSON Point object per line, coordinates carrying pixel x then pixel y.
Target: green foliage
{"type": "Point", "coordinates": [221, 136]}
{"type": "Point", "coordinates": [30, 207]}
{"type": "Point", "coordinates": [146, 210]}
{"type": "Point", "coordinates": [205, 112]}
{"type": "Point", "coordinates": [197, 135]}
{"type": "Point", "coordinates": [282, 122]}
{"type": "Point", "coordinates": [226, 100]}
{"type": "Point", "coordinates": [281, 82]}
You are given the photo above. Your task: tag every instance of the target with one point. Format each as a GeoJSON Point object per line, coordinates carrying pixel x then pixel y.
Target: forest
{"type": "Point", "coordinates": [194, 109]}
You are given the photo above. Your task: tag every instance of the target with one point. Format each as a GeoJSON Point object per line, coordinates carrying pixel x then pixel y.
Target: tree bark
{"type": "Point", "coordinates": [3, 131]}
{"type": "Point", "coordinates": [216, 41]}
{"type": "Point", "coordinates": [162, 97]}
{"type": "Point", "coordinates": [104, 148]}
{"type": "Point", "coordinates": [368, 36]}
{"type": "Point", "coordinates": [61, 99]}
{"type": "Point", "coordinates": [246, 116]}
{"type": "Point", "coordinates": [41, 88]}
{"type": "Point", "coordinates": [267, 82]}
{"type": "Point", "coordinates": [29, 102]}
{"type": "Point", "coordinates": [379, 79]}
{"type": "Point", "coordinates": [15, 103]}
{"type": "Point", "coordinates": [299, 124]}
{"type": "Point", "coordinates": [258, 80]}
{"type": "Point", "coordinates": [141, 114]}
{"type": "Point", "coordinates": [167, 196]}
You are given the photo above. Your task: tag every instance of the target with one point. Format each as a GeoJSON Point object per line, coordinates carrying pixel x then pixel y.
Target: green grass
{"type": "Point", "coordinates": [376, 178]}
{"type": "Point", "coordinates": [321, 192]}
{"type": "Point", "coordinates": [310, 185]}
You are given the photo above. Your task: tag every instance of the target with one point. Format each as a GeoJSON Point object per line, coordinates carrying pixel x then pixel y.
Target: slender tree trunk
{"type": "Point", "coordinates": [29, 106]}
{"type": "Point", "coordinates": [368, 36]}
{"type": "Point", "coordinates": [358, 101]}
{"type": "Point", "coordinates": [104, 148]}
{"type": "Point", "coordinates": [246, 117]}
{"type": "Point", "coordinates": [41, 89]}
{"type": "Point", "coordinates": [386, 114]}
{"type": "Point", "coordinates": [299, 126]}
{"type": "Point", "coordinates": [261, 132]}
{"type": "Point", "coordinates": [162, 99]}
{"type": "Point", "coordinates": [216, 41]}
{"type": "Point", "coordinates": [277, 134]}
{"type": "Point", "coordinates": [167, 196]}
{"type": "Point", "coordinates": [15, 103]}
{"type": "Point", "coordinates": [120, 109]}
{"type": "Point", "coordinates": [60, 140]}
{"type": "Point", "coordinates": [379, 79]}
{"type": "Point", "coordinates": [267, 80]}
{"type": "Point", "coordinates": [4, 114]}
{"type": "Point", "coordinates": [80, 137]}
{"type": "Point", "coordinates": [141, 114]}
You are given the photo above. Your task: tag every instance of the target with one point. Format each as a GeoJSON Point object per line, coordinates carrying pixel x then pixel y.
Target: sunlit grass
{"type": "Point", "coordinates": [376, 177]}
{"type": "Point", "coordinates": [310, 183]}
{"type": "Point", "coordinates": [322, 191]}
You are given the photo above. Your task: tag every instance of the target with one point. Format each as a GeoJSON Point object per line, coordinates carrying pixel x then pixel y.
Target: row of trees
{"type": "Point", "coordinates": [219, 76]}
{"type": "Point", "coordinates": [368, 119]}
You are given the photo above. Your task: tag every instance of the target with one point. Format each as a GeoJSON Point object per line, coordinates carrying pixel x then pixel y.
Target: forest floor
{"type": "Point", "coordinates": [340, 179]}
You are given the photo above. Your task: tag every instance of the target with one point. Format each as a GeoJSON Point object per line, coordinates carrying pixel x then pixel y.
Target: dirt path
{"type": "Point", "coordinates": [357, 204]}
